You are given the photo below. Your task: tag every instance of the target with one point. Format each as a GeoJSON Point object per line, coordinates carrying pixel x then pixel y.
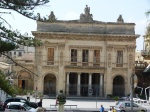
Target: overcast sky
{"type": "Point", "coordinates": [133, 11]}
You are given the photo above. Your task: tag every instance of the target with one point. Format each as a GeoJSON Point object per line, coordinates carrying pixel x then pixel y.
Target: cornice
{"type": "Point", "coordinates": [85, 37]}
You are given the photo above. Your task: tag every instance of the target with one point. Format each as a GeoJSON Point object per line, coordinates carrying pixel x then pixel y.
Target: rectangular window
{"type": "Point", "coordinates": [50, 56]}
{"type": "Point", "coordinates": [85, 55]}
{"type": "Point", "coordinates": [73, 55]}
{"type": "Point", "coordinates": [96, 56]}
{"type": "Point", "coordinates": [19, 54]}
{"type": "Point", "coordinates": [119, 58]}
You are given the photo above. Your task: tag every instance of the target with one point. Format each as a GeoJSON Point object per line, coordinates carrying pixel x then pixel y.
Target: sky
{"type": "Point", "coordinates": [132, 11]}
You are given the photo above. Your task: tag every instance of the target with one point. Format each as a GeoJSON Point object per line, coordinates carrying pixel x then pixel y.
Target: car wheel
{"type": "Point", "coordinates": [142, 110]}
{"type": "Point", "coordinates": [122, 111]}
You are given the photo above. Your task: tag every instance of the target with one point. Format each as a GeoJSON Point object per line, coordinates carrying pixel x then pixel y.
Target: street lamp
{"type": "Point", "coordinates": [133, 82]}
{"type": "Point", "coordinates": [132, 87]}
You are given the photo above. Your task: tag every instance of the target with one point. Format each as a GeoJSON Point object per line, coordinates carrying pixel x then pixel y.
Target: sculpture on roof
{"type": "Point", "coordinates": [52, 17]}
{"type": "Point", "coordinates": [120, 19]}
{"type": "Point", "coordinates": [86, 17]}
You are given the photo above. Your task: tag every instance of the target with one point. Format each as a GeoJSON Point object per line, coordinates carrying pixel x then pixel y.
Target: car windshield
{"type": "Point", "coordinates": [118, 104]}
{"type": "Point", "coordinates": [26, 107]}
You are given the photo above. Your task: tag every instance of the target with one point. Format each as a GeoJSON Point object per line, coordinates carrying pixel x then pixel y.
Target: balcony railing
{"type": "Point", "coordinates": [118, 65]}
{"type": "Point", "coordinates": [69, 63]}
{"type": "Point", "coordinates": [145, 52]}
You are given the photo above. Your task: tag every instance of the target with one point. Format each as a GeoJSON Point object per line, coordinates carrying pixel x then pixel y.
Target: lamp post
{"type": "Point", "coordinates": [133, 84]}
{"type": "Point", "coordinates": [132, 87]}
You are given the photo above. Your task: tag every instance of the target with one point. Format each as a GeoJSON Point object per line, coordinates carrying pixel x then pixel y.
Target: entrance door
{"type": "Point", "coordinates": [84, 84]}
{"type": "Point", "coordinates": [50, 85]}
{"type": "Point", "coordinates": [118, 86]}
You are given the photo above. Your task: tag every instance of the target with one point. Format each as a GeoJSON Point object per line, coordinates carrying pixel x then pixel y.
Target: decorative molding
{"type": "Point", "coordinates": [130, 60]}
{"type": "Point", "coordinates": [84, 37]}
{"type": "Point", "coordinates": [110, 48]}
{"type": "Point", "coordinates": [131, 48]}
{"type": "Point", "coordinates": [119, 47]}
{"type": "Point", "coordinates": [109, 60]}
{"type": "Point", "coordinates": [61, 46]}
{"type": "Point", "coordinates": [61, 58]}
{"type": "Point", "coordinates": [85, 47]}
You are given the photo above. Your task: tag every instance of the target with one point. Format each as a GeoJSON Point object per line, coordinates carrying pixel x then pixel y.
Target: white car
{"type": "Point", "coordinates": [125, 106]}
{"type": "Point", "coordinates": [19, 107]}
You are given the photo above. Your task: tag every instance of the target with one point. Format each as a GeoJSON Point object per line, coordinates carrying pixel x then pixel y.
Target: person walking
{"type": "Point", "coordinates": [101, 108]}
{"type": "Point", "coordinates": [28, 96]}
{"type": "Point", "coordinates": [109, 110]}
{"type": "Point", "coordinates": [113, 110]}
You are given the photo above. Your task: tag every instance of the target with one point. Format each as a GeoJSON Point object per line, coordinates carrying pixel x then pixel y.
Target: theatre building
{"type": "Point", "coordinates": [84, 57]}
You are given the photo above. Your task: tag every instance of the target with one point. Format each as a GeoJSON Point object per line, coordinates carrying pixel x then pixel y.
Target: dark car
{"type": "Point", "coordinates": [19, 99]}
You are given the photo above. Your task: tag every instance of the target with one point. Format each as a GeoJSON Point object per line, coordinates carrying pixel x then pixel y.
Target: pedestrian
{"type": "Point", "coordinates": [40, 103]}
{"type": "Point", "coordinates": [28, 96]}
{"type": "Point", "coordinates": [101, 108]}
{"type": "Point", "coordinates": [109, 110]}
{"type": "Point", "coordinates": [113, 110]}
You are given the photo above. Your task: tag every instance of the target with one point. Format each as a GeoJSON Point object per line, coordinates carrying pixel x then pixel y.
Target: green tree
{"type": "Point", "coordinates": [25, 8]}
{"type": "Point", "coordinates": [10, 39]}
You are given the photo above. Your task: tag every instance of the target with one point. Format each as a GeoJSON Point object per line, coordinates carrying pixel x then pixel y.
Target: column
{"type": "Point", "coordinates": [79, 84]}
{"type": "Point", "coordinates": [90, 84]}
{"type": "Point", "coordinates": [67, 91]}
{"type": "Point", "coordinates": [101, 85]}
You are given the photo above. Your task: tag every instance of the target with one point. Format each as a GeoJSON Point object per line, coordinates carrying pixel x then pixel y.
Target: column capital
{"type": "Point", "coordinates": [90, 73]}
{"type": "Point", "coordinates": [79, 73]}
{"type": "Point", "coordinates": [67, 73]}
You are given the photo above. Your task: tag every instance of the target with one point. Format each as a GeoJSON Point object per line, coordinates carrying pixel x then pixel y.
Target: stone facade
{"type": "Point", "coordinates": [84, 57]}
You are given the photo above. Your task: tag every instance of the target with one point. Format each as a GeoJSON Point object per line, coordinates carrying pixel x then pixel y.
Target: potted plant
{"type": "Point", "coordinates": [116, 99]}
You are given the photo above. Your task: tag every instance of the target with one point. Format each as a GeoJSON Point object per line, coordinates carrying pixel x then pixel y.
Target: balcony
{"type": "Point", "coordinates": [119, 65]}
{"type": "Point", "coordinates": [76, 64]}
{"type": "Point", "coordinates": [84, 64]}
{"type": "Point", "coordinates": [145, 54]}
{"type": "Point", "coordinates": [140, 65]}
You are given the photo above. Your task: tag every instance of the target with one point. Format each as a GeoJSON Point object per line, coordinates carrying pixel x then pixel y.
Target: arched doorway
{"type": "Point", "coordinates": [118, 86]}
{"type": "Point", "coordinates": [25, 80]}
{"type": "Point", "coordinates": [50, 85]}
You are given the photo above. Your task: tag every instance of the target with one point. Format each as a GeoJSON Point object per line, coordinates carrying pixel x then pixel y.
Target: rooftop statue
{"type": "Point", "coordinates": [52, 17]}
{"type": "Point", "coordinates": [86, 17]}
{"type": "Point", "coordinates": [120, 19]}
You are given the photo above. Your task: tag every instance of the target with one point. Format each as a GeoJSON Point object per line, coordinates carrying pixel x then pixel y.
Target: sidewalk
{"type": "Point", "coordinates": [83, 104]}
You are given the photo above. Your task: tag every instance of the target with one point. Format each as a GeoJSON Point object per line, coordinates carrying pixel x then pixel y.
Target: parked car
{"type": "Point", "coordinates": [18, 107]}
{"type": "Point", "coordinates": [19, 99]}
{"type": "Point", "coordinates": [125, 106]}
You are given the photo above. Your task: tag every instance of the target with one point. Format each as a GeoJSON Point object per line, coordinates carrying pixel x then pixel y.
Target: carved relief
{"type": "Point", "coordinates": [109, 60]}
{"type": "Point", "coordinates": [109, 48]}
{"type": "Point", "coordinates": [38, 56]}
{"type": "Point", "coordinates": [61, 46]}
{"type": "Point", "coordinates": [61, 58]}
{"type": "Point", "coordinates": [85, 37]}
{"type": "Point", "coordinates": [131, 48]}
{"type": "Point", "coordinates": [130, 60]}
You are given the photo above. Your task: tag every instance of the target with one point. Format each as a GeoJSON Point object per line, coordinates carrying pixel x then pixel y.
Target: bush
{"type": "Point", "coordinates": [116, 98]}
